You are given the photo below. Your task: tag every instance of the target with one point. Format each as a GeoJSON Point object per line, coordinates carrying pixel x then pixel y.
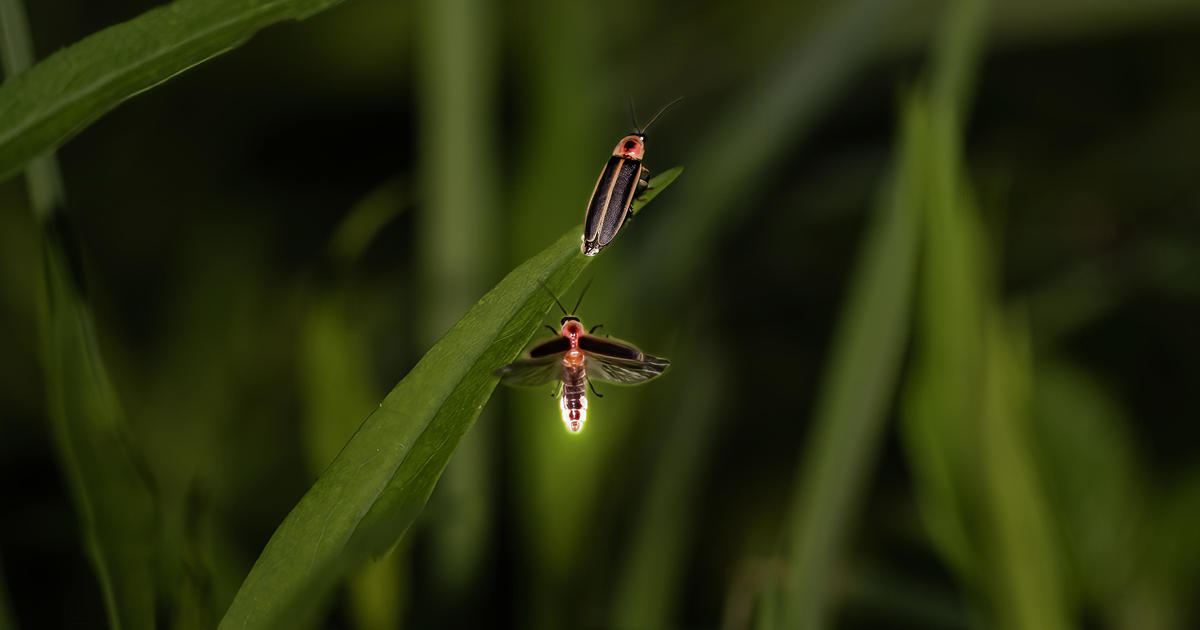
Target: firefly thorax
{"type": "Point", "coordinates": [631, 147]}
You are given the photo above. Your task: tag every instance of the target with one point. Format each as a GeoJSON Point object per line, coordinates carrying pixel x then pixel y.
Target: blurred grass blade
{"type": "Point", "coordinates": [777, 110]}
{"type": "Point", "coordinates": [456, 46]}
{"type": "Point", "coordinates": [944, 381]}
{"type": "Point", "coordinates": [44, 107]}
{"type": "Point", "coordinates": [366, 219]}
{"type": "Point", "coordinates": [655, 557]}
{"type": "Point", "coordinates": [110, 489]}
{"type": "Point", "coordinates": [1094, 480]}
{"type": "Point", "coordinates": [853, 404]}
{"type": "Point", "coordinates": [966, 416]}
{"type": "Point", "coordinates": [1023, 571]}
{"type": "Point", "coordinates": [109, 485]}
{"type": "Point", "coordinates": [376, 487]}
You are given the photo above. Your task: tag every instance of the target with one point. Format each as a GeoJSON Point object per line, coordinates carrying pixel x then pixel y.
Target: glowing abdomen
{"type": "Point", "coordinates": [573, 401]}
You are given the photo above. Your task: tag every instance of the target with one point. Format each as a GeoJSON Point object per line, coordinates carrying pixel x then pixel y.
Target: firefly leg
{"type": "Point", "coordinates": [598, 394]}
{"type": "Point", "coordinates": [551, 328]}
{"type": "Point", "coordinates": [642, 186]}
{"type": "Point", "coordinates": [557, 388]}
{"type": "Point", "coordinates": [595, 328]}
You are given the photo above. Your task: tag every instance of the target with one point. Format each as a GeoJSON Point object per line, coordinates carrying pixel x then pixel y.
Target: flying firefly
{"type": "Point", "coordinates": [574, 357]}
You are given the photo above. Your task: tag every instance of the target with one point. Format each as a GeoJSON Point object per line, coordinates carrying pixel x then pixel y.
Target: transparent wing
{"type": "Point", "coordinates": [542, 365]}
{"type": "Point", "coordinates": [532, 372]}
{"type": "Point", "coordinates": [617, 362]}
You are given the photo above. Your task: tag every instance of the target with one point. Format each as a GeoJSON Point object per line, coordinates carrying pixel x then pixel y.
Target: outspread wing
{"type": "Point", "coordinates": [543, 365]}
{"type": "Point", "coordinates": [618, 362]}
{"type": "Point", "coordinates": [531, 372]}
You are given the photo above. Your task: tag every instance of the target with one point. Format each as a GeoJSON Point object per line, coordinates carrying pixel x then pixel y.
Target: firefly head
{"type": "Point", "coordinates": [571, 327]}
{"type": "Point", "coordinates": [631, 147]}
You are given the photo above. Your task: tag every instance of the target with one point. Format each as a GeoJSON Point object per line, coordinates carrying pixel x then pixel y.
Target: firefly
{"type": "Point", "coordinates": [575, 356]}
{"type": "Point", "coordinates": [620, 181]}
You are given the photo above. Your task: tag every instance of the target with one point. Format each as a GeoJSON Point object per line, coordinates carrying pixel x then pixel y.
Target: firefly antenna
{"type": "Point", "coordinates": [660, 113]}
{"type": "Point", "coordinates": [581, 294]}
{"type": "Point", "coordinates": [555, 298]}
{"type": "Point", "coordinates": [633, 114]}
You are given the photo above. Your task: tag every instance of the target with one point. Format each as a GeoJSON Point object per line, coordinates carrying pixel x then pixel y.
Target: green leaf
{"type": "Point", "coordinates": [44, 107]}
{"type": "Point", "coordinates": [377, 486]}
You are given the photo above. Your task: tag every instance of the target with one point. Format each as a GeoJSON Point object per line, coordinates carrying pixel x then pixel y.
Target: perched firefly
{"type": "Point", "coordinates": [618, 184]}
{"type": "Point", "coordinates": [576, 356]}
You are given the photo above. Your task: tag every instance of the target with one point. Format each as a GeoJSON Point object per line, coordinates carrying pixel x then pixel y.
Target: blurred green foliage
{"type": "Point", "coordinates": [928, 285]}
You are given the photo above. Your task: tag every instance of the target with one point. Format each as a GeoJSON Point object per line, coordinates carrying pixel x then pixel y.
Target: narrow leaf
{"type": "Point", "coordinates": [45, 106]}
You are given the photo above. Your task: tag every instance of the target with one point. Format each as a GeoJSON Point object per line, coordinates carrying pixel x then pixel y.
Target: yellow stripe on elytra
{"type": "Point", "coordinates": [608, 196]}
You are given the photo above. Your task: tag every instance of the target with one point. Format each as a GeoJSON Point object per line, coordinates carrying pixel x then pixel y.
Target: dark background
{"type": "Point", "coordinates": [245, 348]}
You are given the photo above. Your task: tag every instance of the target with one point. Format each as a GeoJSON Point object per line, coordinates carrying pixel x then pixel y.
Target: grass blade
{"type": "Point", "coordinates": [853, 405]}
{"type": "Point", "coordinates": [1023, 576]}
{"type": "Point", "coordinates": [44, 107]}
{"type": "Point", "coordinates": [376, 487]}
{"type": "Point", "coordinates": [457, 72]}
{"type": "Point", "coordinates": [966, 418]}
{"type": "Point", "coordinates": [945, 379]}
